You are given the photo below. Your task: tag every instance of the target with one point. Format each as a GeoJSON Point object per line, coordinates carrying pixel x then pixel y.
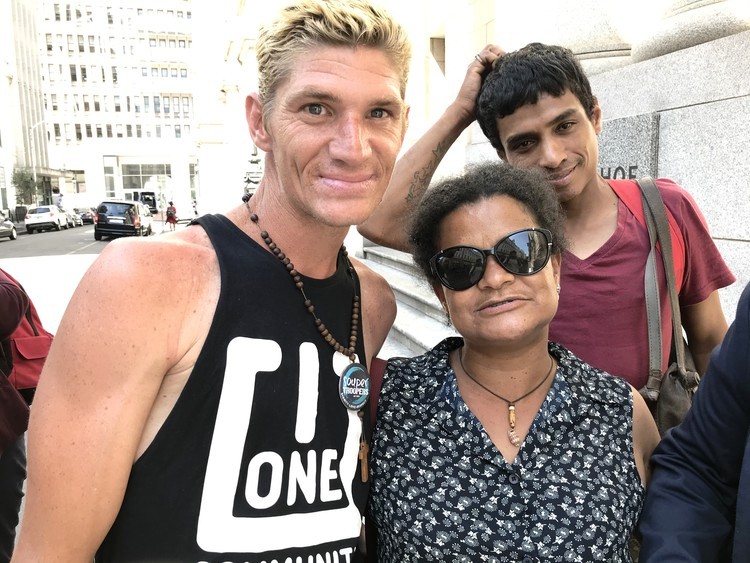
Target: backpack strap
{"type": "Point", "coordinates": [630, 194]}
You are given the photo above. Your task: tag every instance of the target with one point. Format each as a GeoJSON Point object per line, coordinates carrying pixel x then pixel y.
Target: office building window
{"type": "Point", "coordinates": [162, 42]}
{"type": "Point", "coordinates": [129, 129]}
{"type": "Point", "coordinates": [174, 72]}
{"type": "Point", "coordinates": [54, 102]}
{"type": "Point", "coordinates": [88, 130]}
{"type": "Point", "coordinates": [114, 75]}
{"type": "Point", "coordinates": [79, 134]}
{"type": "Point", "coordinates": [57, 12]}
{"type": "Point", "coordinates": [137, 104]}
{"type": "Point", "coordinates": [177, 132]}
{"type": "Point", "coordinates": [165, 72]}
{"type": "Point", "coordinates": [172, 43]}
{"type": "Point", "coordinates": [71, 44]}
{"type": "Point", "coordinates": [181, 43]}
{"type": "Point", "coordinates": [49, 42]}
{"type": "Point", "coordinates": [99, 131]}
{"type": "Point", "coordinates": [157, 104]}
{"type": "Point", "coordinates": [185, 105]}
{"type": "Point", "coordinates": [67, 12]}
{"type": "Point", "coordinates": [152, 42]}
{"type": "Point", "coordinates": [86, 102]}
{"type": "Point", "coordinates": [117, 103]}
{"type": "Point", "coordinates": [109, 131]}
{"type": "Point", "coordinates": [146, 101]}
{"type": "Point", "coordinates": [183, 72]}
{"type": "Point", "coordinates": [56, 127]}
{"type": "Point", "coordinates": [144, 71]}
{"type": "Point", "coordinates": [73, 75]}
{"type": "Point", "coordinates": [158, 131]}
{"type": "Point", "coordinates": [118, 129]}
{"type": "Point", "coordinates": [154, 71]}
{"type": "Point", "coordinates": [96, 102]}
{"type": "Point", "coordinates": [166, 105]}
{"type": "Point", "coordinates": [83, 73]}
{"type": "Point", "coordinates": [81, 46]}
{"type": "Point", "coordinates": [92, 44]}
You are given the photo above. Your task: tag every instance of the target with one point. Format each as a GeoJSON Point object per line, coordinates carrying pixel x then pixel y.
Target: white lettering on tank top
{"type": "Point", "coordinates": [312, 472]}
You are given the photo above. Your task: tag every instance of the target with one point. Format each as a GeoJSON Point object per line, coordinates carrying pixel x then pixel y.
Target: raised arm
{"type": "Point", "coordinates": [413, 171]}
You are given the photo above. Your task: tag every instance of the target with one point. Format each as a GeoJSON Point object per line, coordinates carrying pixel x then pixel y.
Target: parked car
{"type": "Point", "coordinates": [72, 218]}
{"type": "Point", "coordinates": [45, 217]}
{"type": "Point", "coordinates": [7, 228]}
{"type": "Point", "coordinates": [122, 218]}
{"type": "Point", "coordinates": [86, 214]}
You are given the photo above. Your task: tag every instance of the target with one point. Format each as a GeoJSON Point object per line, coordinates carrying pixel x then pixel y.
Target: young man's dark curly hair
{"type": "Point", "coordinates": [522, 77]}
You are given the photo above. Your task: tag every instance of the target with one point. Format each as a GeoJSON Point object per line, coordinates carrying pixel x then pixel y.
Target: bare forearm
{"type": "Point", "coordinates": [411, 177]}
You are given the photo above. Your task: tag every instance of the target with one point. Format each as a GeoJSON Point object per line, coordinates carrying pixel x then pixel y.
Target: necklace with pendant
{"type": "Point", "coordinates": [354, 380]}
{"type": "Point", "coordinates": [513, 437]}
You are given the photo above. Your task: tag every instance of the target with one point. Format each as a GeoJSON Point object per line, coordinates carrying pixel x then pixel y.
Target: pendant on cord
{"type": "Point", "coordinates": [354, 386]}
{"type": "Point", "coordinates": [514, 438]}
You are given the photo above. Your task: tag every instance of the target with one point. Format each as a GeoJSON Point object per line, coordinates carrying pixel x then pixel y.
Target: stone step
{"type": "Point", "coordinates": [417, 331]}
{"type": "Point", "coordinates": [410, 289]}
{"type": "Point", "coordinates": [394, 258]}
{"type": "Point", "coordinates": [420, 321]}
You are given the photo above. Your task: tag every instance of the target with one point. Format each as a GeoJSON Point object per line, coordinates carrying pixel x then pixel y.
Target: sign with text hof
{"type": "Point", "coordinates": [629, 147]}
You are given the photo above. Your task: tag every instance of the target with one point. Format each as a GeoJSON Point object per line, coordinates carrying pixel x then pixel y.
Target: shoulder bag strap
{"type": "Point", "coordinates": [657, 213]}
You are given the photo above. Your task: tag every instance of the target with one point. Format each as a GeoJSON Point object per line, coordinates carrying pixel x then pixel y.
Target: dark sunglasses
{"type": "Point", "coordinates": [522, 253]}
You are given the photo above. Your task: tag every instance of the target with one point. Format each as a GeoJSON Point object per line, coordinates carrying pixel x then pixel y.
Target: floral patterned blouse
{"type": "Point", "coordinates": [442, 491]}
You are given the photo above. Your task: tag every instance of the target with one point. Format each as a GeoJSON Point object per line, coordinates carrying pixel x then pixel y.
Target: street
{"type": "Point", "coordinates": [49, 265]}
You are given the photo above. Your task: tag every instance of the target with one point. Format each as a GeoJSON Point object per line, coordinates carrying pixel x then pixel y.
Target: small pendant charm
{"type": "Point", "coordinates": [354, 386]}
{"type": "Point", "coordinates": [514, 438]}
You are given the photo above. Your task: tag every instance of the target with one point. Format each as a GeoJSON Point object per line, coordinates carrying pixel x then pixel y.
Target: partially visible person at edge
{"type": "Point", "coordinates": [203, 422]}
{"type": "Point", "coordinates": [171, 216]}
{"type": "Point", "coordinates": [538, 111]}
{"type": "Point", "coordinates": [14, 418]}
{"type": "Point", "coordinates": [501, 445]}
{"type": "Point", "coordinates": [698, 508]}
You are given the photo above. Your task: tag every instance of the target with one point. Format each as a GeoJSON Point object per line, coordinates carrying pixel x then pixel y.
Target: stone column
{"type": "Point", "coordinates": [686, 23]}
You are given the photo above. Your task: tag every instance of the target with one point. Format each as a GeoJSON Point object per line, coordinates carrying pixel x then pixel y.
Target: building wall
{"type": "Point", "coordinates": [118, 91]}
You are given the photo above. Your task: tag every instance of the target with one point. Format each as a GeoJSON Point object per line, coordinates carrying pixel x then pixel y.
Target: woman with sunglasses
{"type": "Point", "coordinates": [500, 445]}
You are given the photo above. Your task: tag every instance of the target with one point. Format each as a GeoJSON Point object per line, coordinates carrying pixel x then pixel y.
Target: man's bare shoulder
{"type": "Point", "coordinates": [154, 272]}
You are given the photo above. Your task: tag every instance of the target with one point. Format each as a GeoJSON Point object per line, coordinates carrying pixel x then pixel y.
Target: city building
{"type": "Point", "coordinates": [118, 99]}
{"type": "Point", "coordinates": [23, 142]}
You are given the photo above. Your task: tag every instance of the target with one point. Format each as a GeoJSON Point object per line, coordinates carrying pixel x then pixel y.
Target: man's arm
{"type": "Point", "coordinates": [378, 309]}
{"type": "Point", "coordinates": [705, 326]}
{"type": "Point", "coordinates": [413, 171]}
{"type": "Point", "coordinates": [689, 510]}
{"type": "Point", "coordinates": [121, 335]}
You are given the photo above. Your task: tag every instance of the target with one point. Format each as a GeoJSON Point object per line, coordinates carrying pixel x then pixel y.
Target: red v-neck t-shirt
{"type": "Point", "coordinates": [601, 316]}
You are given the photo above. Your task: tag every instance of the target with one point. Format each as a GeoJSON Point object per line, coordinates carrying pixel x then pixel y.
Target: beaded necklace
{"type": "Point", "coordinates": [354, 381]}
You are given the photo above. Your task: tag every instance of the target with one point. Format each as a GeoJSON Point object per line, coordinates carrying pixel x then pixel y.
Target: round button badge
{"type": "Point", "coordinates": [354, 386]}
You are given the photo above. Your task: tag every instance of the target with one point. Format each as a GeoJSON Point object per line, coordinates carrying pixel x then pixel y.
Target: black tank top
{"type": "Point", "coordinates": [257, 462]}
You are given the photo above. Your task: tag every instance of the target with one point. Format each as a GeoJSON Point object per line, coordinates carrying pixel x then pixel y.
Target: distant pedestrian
{"type": "Point", "coordinates": [171, 216]}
